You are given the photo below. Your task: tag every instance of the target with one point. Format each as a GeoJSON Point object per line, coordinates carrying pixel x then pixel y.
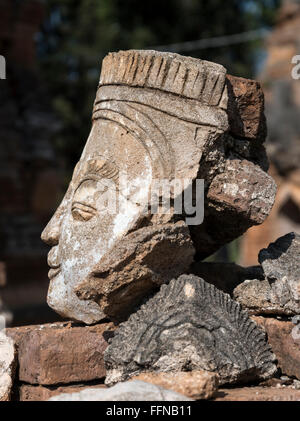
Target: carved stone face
{"type": "Point", "coordinates": [157, 116]}
{"type": "Point", "coordinates": [97, 210]}
{"type": "Point", "coordinates": [138, 135]}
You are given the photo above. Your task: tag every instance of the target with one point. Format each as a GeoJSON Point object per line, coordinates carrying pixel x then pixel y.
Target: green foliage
{"type": "Point", "coordinates": [77, 34]}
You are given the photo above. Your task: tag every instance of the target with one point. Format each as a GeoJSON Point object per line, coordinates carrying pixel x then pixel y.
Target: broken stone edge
{"type": "Point", "coordinates": [254, 337]}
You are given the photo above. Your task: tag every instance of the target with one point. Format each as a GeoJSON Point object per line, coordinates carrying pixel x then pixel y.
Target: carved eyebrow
{"type": "Point", "coordinates": [100, 168]}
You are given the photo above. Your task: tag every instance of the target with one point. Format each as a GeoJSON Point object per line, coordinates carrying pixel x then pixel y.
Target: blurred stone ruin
{"type": "Point", "coordinates": [30, 179]}
{"type": "Point", "coordinates": [282, 94]}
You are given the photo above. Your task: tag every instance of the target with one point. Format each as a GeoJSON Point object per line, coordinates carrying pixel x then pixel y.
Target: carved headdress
{"type": "Point", "coordinates": [163, 99]}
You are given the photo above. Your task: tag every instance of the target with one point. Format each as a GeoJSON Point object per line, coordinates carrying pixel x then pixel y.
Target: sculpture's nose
{"type": "Point", "coordinates": [51, 233]}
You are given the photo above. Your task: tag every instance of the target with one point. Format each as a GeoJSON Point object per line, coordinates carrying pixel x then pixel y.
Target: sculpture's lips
{"type": "Point", "coordinates": [54, 271]}
{"type": "Point", "coordinates": [53, 262]}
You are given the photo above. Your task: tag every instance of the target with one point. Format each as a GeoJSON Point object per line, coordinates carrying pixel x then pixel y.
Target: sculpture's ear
{"type": "Point", "coordinates": [136, 266]}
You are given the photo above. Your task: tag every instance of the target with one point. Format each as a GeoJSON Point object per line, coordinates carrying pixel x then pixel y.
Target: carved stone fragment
{"type": "Point", "coordinates": [129, 391]}
{"type": "Point", "coordinates": [189, 325]}
{"type": "Point", "coordinates": [281, 258]}
{"type": "Point", "coordinates": [279, 292]}
{"type": "Point", "coordinates": [194, 384]}
{"type": "Point", "coordinates": [136, 266]}
{"type": "Point", "coordinates": [225, 276]}
{"type": "Point", "coordinates": [240, 195]}
{"type": "Point", "coordinates": [246, 108]}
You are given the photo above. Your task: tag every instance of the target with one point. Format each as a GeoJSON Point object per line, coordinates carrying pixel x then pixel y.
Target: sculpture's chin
{"type": "Point", "coordinates": [64, 301]}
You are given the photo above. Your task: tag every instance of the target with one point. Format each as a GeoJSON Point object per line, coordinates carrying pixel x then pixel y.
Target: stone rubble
{"type": "Point", "coordinates": [271, 288]}
{"type": "Point", "coordinates": [193, 384]}
{"type": "Point", "coordinates": [28, 392]}
{"type": "Point", "coordinates": [225, 276]}
{"type": "Point", "coordinates": [180, 337]}
{"type": "Point", "coordinates": [61, 353]}
{"type": "Point", "coordinates": [136, 266]}
{"type": "Point", "coordinates": [189, 325]}
{"type": "Point", "coordinates": [129, 391]}
{"type": "Point", "coordinates": [257, 393]}
{"type": "Point", "coordinates": [279, 292]}
{"type": "Point", "coordinates": [284, 339]}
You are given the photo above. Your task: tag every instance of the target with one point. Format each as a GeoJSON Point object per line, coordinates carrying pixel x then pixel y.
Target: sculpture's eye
{"type": "Point", "coordinates": [93, 195]}
{"type": "Point", "coordinates": [84, 204]}
{"type": "Point", "coordinates": [81, 212]}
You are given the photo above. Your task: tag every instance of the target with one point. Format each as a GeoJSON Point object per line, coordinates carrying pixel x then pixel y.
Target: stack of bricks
{"type": "Point", "coordinates": [67, 357]}
{"type": "Point", "coordinates": [58, 358]}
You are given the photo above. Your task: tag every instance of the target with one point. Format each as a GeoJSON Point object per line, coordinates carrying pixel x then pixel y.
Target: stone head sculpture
{"type": "Point", "coordinates": [157, 116]}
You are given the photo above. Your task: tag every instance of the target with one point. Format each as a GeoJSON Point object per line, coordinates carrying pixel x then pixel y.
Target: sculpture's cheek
{"type": "Point", "coordinates": [63, 300]}
{"type": "Point", "coordinates": [81, 244]}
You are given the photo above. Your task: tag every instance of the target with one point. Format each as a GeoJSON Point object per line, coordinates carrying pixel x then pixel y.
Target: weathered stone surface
{"type": "Point", "coordinates": [230, 191]}
{"type": "Point", "coordinates": [157, 116]}
{"type": "Point", "coordinates": [225, 276]}
{"type": "Point", "coordinates": [281, 381]}
{"type": "Point", "coordinates": [284, 338]}
{"type": "Point", "coordinates": [246, 108]}
{"type": "Point", "coordinates": [277, 382]}
{"type": "Point", "coordinates": [283, 218]}
{"type": "Point", "coordinates": [28, 392]}
{"type": "Point", "coordinates": [194, 384]}
{"type": "Point", "coordinates": [7, 366]}
{"type": "Point", "coordinates": [258, 297]}
{"type": "Point", "coordinates": [55, 354]}
{"type": "Point", "coordinates": [19, 333]}
{"type": "Point", "coordinates": [128, 391]}
{"type": "Point", "coordinates": [136, 266]}
{"type": "Point", "coordinates": [281, 258]}
{"type": "Point", "coordinates": [189, 325]}
{"type": "Point", "coordinates": [258, 393]}
{"type": "Point", "coordinates": [279, 292]}
{"type": "Point", "coordinates": [227, 201]}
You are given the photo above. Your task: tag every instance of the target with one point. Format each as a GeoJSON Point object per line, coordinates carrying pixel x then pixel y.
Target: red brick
{"type": "Point", "coordinates": [284, 338]}
{"type": "Point", "coordinates": [42, 393]}
{"type": "Point", "coordinates": [258, 394]}
{"type": "Point", "coordinates": [61, 352]}
{"type": "Point", "coordinates": [246, 108]}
